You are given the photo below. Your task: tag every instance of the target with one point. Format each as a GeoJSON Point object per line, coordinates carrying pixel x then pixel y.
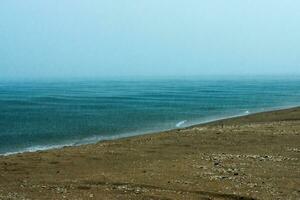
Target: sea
{"type": "Point", "coordinates": [44, 114]}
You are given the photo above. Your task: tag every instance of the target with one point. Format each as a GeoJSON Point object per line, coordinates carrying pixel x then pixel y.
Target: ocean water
{"type": "Point", "coordinates": [37, 115]}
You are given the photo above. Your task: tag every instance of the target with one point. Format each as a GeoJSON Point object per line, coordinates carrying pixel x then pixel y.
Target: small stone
{"type": "Point", "coordinates": [91, 195]}
{"type": "Point", "coordinates": [137, 191]}
{"type": "Point", "coordinates": [216, 163]}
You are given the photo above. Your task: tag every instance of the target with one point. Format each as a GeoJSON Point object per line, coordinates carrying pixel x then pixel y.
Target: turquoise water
{"type": "Point", "coordinates": [46, 114]}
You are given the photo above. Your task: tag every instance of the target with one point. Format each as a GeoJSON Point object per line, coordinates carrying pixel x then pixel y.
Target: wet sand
{"type": "Point", "coordinates": [251, 157]}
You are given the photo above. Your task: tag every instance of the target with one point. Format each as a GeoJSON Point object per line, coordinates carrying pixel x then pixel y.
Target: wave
{"type": "Point", "coordinates": [179, 124]}
{"type": "Point", "coordinates": [84, 141]}
{"type": "Point", "coordinates": [37, 148]}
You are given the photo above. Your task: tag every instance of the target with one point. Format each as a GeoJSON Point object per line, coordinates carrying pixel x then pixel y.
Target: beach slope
{"type": "Point", "coordinates": [251, 157]}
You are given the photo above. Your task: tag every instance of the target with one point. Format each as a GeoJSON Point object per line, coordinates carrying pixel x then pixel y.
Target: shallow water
{"type": "Point", "coordinates": [44, 114]}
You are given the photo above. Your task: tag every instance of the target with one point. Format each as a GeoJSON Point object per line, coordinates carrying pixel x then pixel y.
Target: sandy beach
{"type": "Point", "coordinates": [251, 157]}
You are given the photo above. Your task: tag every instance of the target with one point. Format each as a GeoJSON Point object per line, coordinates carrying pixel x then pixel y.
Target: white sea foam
{"type": "Point", "coordinates": [179, 124]}
{"type": "Point", "coordinates": [37, 148]}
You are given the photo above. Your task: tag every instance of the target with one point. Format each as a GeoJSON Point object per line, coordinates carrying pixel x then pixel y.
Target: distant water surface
{"type": "Point", "coordinates": [46, 114]}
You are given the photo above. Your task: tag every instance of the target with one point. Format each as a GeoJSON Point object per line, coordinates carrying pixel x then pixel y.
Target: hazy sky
{"type": "Point", "coordinates": [76, 38]}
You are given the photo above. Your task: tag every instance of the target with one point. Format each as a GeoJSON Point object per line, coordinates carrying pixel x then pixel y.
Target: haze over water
{"type": "Point", "coordinates": [46, 114]}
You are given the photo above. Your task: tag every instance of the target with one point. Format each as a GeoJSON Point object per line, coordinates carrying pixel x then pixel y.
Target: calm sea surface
{"type": "Point", "coordinates": [47, 114]}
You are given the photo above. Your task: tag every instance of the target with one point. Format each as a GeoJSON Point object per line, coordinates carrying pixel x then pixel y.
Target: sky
{"type": "Point", "coordinates": [104, 38]}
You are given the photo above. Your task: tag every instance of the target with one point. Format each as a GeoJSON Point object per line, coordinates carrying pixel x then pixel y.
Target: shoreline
{"type": "Point", "coordinates": [251, 157]}
{"type": "Point", "coordinates": [78, 143]}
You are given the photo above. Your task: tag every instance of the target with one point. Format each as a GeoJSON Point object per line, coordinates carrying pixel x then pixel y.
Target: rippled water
{"type": "Point", "coordinates": [45, 114]}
